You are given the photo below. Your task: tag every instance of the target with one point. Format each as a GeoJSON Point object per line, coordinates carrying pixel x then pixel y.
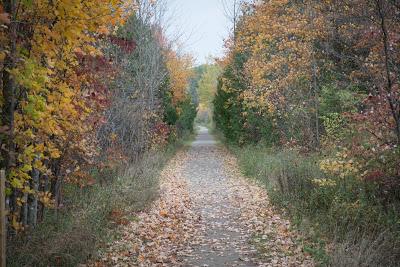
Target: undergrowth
{"type": "Point", "coordinates": [345, 225]}
{"type": "Point", "coordinates": [72, 234]}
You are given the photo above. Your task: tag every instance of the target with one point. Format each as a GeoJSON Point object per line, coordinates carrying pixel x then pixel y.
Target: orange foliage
{"type": "Point", "coordinates": [180, 70]}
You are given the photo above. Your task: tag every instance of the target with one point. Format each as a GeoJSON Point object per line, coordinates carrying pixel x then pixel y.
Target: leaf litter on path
{"type": "Point", "coordinates": [157, 235]}
{"type": "Point", "coordinates": [207, 214]}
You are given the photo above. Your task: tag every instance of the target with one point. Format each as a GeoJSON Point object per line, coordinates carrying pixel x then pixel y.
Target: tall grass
{"type": "Point", "coordinates": [359, 230]}
{"type": "Point", "coordinates": [73, 234]}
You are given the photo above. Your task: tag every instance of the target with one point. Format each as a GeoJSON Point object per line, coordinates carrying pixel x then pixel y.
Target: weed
{"type": "Point", "coordinates": [358, 229]}
{"type": "Point", "coordinates": [72, 234]}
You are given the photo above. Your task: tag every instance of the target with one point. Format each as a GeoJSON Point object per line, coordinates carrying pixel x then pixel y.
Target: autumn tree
{"type": "Point", "coordinates": [207, 87]}
{"type": "Point", "coordinates": [43, 99]}
{"type": "Point", "coordinates": [319, 75]}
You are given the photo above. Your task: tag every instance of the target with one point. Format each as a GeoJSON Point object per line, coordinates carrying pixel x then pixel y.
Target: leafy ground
{"type": "Point", "coordinates": [207, 215]}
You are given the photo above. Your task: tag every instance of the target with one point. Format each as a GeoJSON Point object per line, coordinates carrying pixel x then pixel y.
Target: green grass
{"type": "Point", "coordinates": [359, 230]}
{"type": "Point", "coordinates": [74, 233]}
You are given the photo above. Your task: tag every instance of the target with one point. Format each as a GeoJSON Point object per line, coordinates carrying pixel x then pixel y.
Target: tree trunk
{"type": "Point", "coordinates": [9, 97]}
{"type": "Point", "coordinates": [46, 187]}
{"type": "Point", "coordinates": [316, 101]}
{"type": "Point", "coordinates": [25, 210]}
{"type": "Point", "coordinates": [314, 82]}
{"type": "Point", "coordinates": [9, 87]}
{"type": "Point", "coordinates": [393, 103]}
{"type": "Point", "coordinates": [33, 210]}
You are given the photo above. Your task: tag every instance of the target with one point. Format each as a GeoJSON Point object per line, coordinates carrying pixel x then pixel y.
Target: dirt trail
{"type": "Point", "coordinates": [221, 240]}
{"type": "Point", "coordinates": [207, 215]}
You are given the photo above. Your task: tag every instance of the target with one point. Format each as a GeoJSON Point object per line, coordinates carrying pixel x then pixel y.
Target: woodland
{"type": "Point", "coordinates": [96, 99]}
{"type": "Point", "coordinates": [88, 90]}
{"type": "Point", "coordinates": [309, 101]}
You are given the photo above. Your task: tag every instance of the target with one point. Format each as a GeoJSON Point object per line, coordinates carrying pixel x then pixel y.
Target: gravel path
{"type": "Point", "coordinates": [221, 240]}
{"type": "Point", "coordinates": [207, 215]}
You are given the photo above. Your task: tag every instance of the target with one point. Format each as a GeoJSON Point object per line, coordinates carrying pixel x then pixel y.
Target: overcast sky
{"type": "Point", "coordinates": [203, 24]}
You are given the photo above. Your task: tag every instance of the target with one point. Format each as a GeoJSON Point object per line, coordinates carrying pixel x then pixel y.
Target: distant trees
{"type": "Point", "coordinates": [207, 87]}
{"type": "Point", "coordinates": [208, 84]}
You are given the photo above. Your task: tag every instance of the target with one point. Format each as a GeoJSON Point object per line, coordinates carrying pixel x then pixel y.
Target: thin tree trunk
{"type": "Point", "coordinates": [56, 186]}
{"type": "Point", "coordinates": [389, 83]}
{"type": "Point", "coordinates": [314, 81]}
{"type": "Point", "coordinates": [234, 21]}
{"type": "Point", "coordinates": [33, 210]}
{"type": "Point", "coordinates": [9, 86]}
{"type": "Point", "coordinates": [316, 100]}
{"type": "Point", "coordinates": [9, 96]}
{"type": "Point", "coordinates": [45, 188]}
{"type": "Point", "coordinates": [25, 210]}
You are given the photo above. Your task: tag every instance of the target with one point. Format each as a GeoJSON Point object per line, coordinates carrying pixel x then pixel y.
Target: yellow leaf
{"type": "Point", "coordinates": [55, 154]}
{"type": "Point", "coordinates": [164, 213]}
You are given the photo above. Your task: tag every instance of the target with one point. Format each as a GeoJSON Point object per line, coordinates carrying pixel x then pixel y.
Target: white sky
{"type": "Point", "coordinates": [203, 26]}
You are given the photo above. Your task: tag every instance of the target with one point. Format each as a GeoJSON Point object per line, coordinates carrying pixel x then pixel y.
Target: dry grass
{"type": "Point", "coordinates": [362, 235]}
{"type": "Point", "coordinates": [380, 249]}
{"type": "Point", "coordinates": [73, 234]}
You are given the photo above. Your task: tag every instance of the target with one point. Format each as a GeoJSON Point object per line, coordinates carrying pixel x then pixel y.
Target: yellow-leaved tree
{"type": "Point", "coordinates": [44, 101]}
{"type": "Point", "coordinates": [180, 70]}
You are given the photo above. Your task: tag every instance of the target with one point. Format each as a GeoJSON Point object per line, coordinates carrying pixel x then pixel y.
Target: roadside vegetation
{"type": "Point", "coordinates": [91, 215]}
{"type": "Point", "coordinates": [345, 226]}
{"type": "Point", "coordinates": [308, 100]}
{"type": "Point", "coordinates": [94, 100]}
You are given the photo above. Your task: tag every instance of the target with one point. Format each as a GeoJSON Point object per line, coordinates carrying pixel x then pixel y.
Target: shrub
{"type": "Point", "coordinates": [338, 209]}
{"type": "Point", "coordinates": [72, 234]}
